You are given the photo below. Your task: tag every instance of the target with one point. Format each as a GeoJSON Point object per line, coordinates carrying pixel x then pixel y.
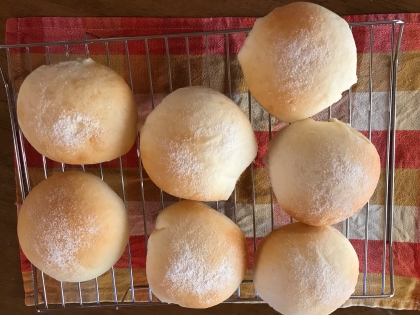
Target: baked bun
{"type": "Point", "coordinates": [73, 226]}
{"type": "Point", "coordinates": [196, 256]}
{"type": "Point", "coordinates": [196, 144]}
{"type": "Point", "coordinates": [305, 270]}
{"type": "Point", "coordinates": [298, 60]}
{"type": "Point", "coordinates": [322, 172]}
{"type": "Point", "coordinates": [77, 112]}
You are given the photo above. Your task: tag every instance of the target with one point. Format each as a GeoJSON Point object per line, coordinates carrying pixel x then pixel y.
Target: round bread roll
{"type": "Point", "coordinates": [77, 112]}
{"type": "Point", "coordinates": [305, 270]}
{"type": "Point", "coordinates": [196, 256]}
{"type": "Point", "coordinates": [322, 172]}
{"type": "Point", "coordinates": [73, 226]}
{"type": "Point", "coordinates": [298, 60]}
{"type": "Point", "coordinates": [196, 144]}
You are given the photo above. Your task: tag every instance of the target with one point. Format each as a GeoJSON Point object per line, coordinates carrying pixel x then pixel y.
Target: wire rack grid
{"type": "Point", "coordinates": [41, 300]}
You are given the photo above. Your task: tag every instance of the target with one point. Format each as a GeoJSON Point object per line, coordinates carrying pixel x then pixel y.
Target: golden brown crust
{"type": "Point", "coordinates": [196, 143]}
{"type": "Point", "coordinates": [298, 60]}
{"type": "Point", "coordinates": [73, 226]}
{"type": "Point", "coordinates": [77, 112]}
{"type": "Point", "coordinates": [322, 172]}
{"type": "Point", "coordinates": [196, 256]}
{"type": "Point", "coordinates": [305, 270]}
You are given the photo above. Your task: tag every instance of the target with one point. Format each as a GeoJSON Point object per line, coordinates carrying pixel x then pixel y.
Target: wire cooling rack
{"type": "Point", "coordinates": [388, 110]}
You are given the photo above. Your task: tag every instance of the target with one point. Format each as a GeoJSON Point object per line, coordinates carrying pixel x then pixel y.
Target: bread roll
{"type": "Point", "coordinates": [298, 60]}
{"type": "Point", "coordinates": [77, 112]}
{"type": "Point", "coordinates": [196, 256]}
{"type": "Point", "coordinates": [305, 270]}
{"type": "Point", "coordinates": [196, 144]}
{"type": "Point", "coordinates": [322, 172]}
{"type": "Point", "coordinates": [73, 226]}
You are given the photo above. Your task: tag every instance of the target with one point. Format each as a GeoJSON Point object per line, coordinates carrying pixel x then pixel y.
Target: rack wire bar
{"type": "Point", "coordinates": [187, 40]}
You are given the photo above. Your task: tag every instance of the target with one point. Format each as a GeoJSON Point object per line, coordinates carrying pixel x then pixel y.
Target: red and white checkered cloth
{"type": "Point", "coordinates": [407, 175]}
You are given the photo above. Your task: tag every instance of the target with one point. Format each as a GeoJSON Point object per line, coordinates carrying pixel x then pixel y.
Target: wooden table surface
{"type": "Point", "coordinates": [11, 288]}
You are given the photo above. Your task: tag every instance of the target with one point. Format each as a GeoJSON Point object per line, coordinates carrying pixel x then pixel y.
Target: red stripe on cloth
{"type": "Point", "coordinates": [21, 30]}
{"type": "Point", "coordinates": [24, 30]}
{"type": "Point", "coordinates": [50, 29]}
{"type": "Point", "coordinates": [406, 257]}
{"type": "Point", "coordinates": [130, 160]}
{"type": "Point", "coordinates": [250, 243]}
{"type": "Point", "coordinates": [379, 139]}
{"type": "Point", "coordinates": [407, 154]}
{"type": "Point", "coordinates": [375, 254]}
{"type": "Point", "coordinates": [407, 151]}
{"type": "Point", "coordinates": [138, 253]}
{"type": "Point", "coordinates": [137, 245]}
{"type": "Point", "coordinates": [25, 264]}
{"type": "Point", "coordinates": [382, 34]}
{"type": "Point", "coordinates": [34, 159]}
{"type": "Point", "coordinates": [262, 140]}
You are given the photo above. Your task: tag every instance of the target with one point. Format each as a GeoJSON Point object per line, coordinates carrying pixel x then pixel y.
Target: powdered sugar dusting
{"type": "Point", "coordinates": [208, 144]}
{"type": "Point", "coordinates": [64, 242]}
{"type": "Point", "coordinates": [74, 130]}
{"type": "Point", "coordinates": [63, 231]}
{"type": "Point", "coordinates": [302, 58]}
{"type": "Point", "coordinates": [182, 161]}
{"type": "Point", "coordinates": [330, 187]}
{"type": "Point", "coordinates": [194, 268]}
{"type": "Point", "coordinates": [192, 273]}
{"type": "Point", "coordinates": [343, 172]}
{"type": "Point", "coordinates": [319, 276]}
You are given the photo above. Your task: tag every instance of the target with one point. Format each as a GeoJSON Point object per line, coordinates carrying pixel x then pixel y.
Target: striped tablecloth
{"type": "Point", "coordinates": [212, 71]}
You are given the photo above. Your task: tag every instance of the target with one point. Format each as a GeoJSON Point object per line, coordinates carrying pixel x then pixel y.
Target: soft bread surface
{"type": "Point", "coordinates": [322, 172]}
{"type": "Point", "coordinates": [196, 143]}
{"type": "Point", "coordinates": [197, 257]}
{"type": "Point", "coordinates": [73, 226]}
{"type": "Point", "coordinates": [305, 270]}
{"type": "Point", "coordinates": [298, 60]}
{"type": "Point", "coordinates": [77, 112]}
